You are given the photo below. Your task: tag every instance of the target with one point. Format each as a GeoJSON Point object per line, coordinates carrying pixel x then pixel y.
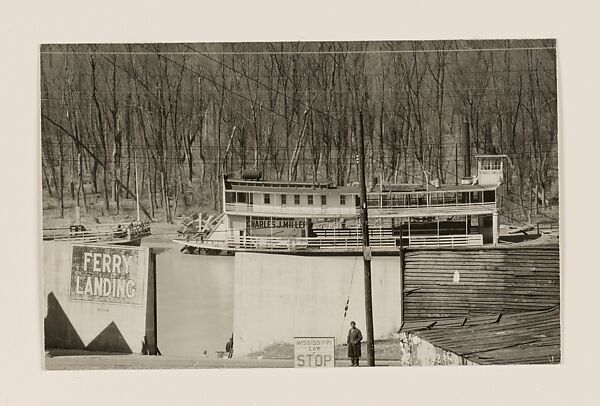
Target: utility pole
{"type": "Point", "coordinates": [456, 163]}
{"type": "Point", "coordinates": [364, 217]}
{"type": "Point", "coordinates": [466, 141]}
{"type": "Point", "coordinates": [137, 189]}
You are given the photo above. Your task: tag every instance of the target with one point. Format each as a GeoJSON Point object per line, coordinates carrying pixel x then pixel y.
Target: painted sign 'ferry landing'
{"type": "Point", "coordinates": [308, 218]}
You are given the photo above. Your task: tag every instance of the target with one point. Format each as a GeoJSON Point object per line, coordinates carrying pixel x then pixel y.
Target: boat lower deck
{"type": "Point", "coordinates": [118, 234]}
{"type": "Point", "coordinates": [327, 244]}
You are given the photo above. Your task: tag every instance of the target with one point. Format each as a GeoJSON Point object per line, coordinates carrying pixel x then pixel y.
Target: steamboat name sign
{"type": "Point", "coordinates": [108, 274]}
{"type": "Point", "coordinates": [266, 222]}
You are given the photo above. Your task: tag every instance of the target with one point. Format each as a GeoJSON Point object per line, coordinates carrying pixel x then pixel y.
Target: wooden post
{"type": "Point", "coordinates": [151, 336]}
{"type": "Point", "coordinates": [456, 163]}
{"type": "Point", "coordinates": [401, 283]}
{"type": "Point", "coordinates": [466, 139]}
{"type": "Point", "coordinates": [366, 248]}
{"type": "Point", "coordinates": [137, 189]}
{"type": "Point", "coordinates": [495, 227]}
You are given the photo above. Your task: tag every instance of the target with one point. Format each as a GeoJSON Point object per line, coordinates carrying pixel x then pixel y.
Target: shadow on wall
{"type": "Point", "coordinates": [59, 332]}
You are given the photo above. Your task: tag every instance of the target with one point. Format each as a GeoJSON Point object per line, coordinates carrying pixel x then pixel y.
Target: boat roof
{"type": "Point", "coordinates": [330, 189]}
{"type": "Point", "coordinates": [491, 156]}
{"type": "Point", "coordinates": [443, 188]}
{"type": "Point", "coordinates": [295, 190]}
{"type": "Point", "coordinates": [514, 338]}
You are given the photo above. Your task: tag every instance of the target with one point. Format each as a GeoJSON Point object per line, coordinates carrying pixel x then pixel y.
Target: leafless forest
{"type": "Point", "coordinates": [184, 114]}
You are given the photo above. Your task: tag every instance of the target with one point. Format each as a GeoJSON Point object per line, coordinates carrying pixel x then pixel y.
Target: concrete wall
{"type": "Point", "coordinates": [76, 324]}
{"type": "Point", "coordinates": [418, 352]}
{"type": "Point", "coordinates": [195, 303]}
{"type": "Point", "coordinates": [277, 297]}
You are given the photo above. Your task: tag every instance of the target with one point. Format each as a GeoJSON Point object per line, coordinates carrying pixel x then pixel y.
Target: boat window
{"type": "Point", "coordinates": [229, 197]}
{"type": "Point", "coordinates": [342, 199]}
{"type": "Point", "coordinates": [489, 196]}
{"type": "Point", "coordinates": [323, 200]}
{"type": "Point", "coordinates": [490, 165]}
{"type": "Point", "coordinates": [296, 199]}
{"type": "Point", "coordinates": [414, 199]}
{"type": "Point", "coordinates": [283, 199]}
{"type": "Point", "coordinates": [310, 199]}
{"type": "Point", "coordinates": [435, 199]}
{"type": "Point", "coordinates": [267, 199]}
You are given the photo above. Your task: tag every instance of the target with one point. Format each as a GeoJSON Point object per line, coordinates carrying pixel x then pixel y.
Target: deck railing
{"type": "Point", "coordinates": [299, 243]}
{"type": "Point", "coordinates": [446, 240]}
{"type": "Point", "coordinates": [275, 243]}
{"type": "Point", "coordinates": [434, 210]}
{"type": "Point", "coordinates": [340, 243]}
{"type": "Point", "coordinates": [97, 233]}
{"type": "Point", "coordinates": [376, 211]}
{"type": "Point", "coordinates": [290, 209]}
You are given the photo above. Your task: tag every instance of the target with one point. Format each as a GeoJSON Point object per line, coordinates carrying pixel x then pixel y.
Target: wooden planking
{"type": "Point", "coordinates": [490, 281]}
{"type": "Point", "coordinates": [519, 338]}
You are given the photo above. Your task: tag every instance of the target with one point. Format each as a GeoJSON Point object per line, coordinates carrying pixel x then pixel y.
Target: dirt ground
{"type": "Point", "coordinates": [384, 350]}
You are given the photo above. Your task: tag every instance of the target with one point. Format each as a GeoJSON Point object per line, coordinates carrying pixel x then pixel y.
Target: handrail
{"type": "Point", "coordinates": [373, 210]}
{"type": "Point", "coordinates": [446, 240]}
{"type": "Point", "coordinates": [297, 242]}
{"type": "Point", "coordinates": [350, 242]}
{"type": "Point", "coordinates": [100, 232]}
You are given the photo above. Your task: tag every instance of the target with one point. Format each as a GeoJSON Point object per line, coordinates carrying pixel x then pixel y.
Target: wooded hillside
{"type": "Point", "coordinates": [187, 113]}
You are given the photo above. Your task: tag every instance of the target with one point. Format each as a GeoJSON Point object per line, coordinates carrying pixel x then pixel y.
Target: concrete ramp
{"type": "Point", "coordinates": [278, 297]}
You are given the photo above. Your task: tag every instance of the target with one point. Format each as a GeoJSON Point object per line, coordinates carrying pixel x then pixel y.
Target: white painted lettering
{"type": "Point", "coordinates": [78, 290]}
{"type": "Point", "coordinates": [87, 257]}
{"type": "Point", "coordinates": [88, 287]}
{"type": "Point", "coordinates": [97, 257]}
{"type": "Point", "coordinates": [126, 261]}
{"type": "Point", "coordinates": [106, 263]}
{"type": "Point", "coordinates": [120, 288]}
{"type": "Point", "coordinates": [97, 286]}
{"type": "Point", "coordinates": [106, 287]}
{"type": "Point", "coordinates": [116, 265]}
{"type": "Point", "coordinates": [130, 289]}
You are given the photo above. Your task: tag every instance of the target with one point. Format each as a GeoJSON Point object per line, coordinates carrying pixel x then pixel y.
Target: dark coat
{"type": "Point", "coordinates": [354, 339]}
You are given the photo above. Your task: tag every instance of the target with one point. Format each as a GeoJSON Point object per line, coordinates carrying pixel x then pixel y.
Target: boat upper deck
{"type": "Point", "coordinates": [293, 199]}
{"type": "Point", "coordinates": [330, 189]}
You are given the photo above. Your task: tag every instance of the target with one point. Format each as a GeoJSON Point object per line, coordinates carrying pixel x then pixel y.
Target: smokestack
{"type": "Point", "coordinates": [466, 142]}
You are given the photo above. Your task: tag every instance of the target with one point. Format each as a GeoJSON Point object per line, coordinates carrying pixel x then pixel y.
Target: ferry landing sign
{"type": "Point", "coordinates": [108, 274]}
{"type": "Point", "coordinates": [314, 352]}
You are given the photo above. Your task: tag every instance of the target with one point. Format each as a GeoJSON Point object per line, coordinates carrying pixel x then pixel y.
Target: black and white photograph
{"type": "Point", "coordinates": [318, 204]}
{"type": "Point", "coordinates": [270, 203]}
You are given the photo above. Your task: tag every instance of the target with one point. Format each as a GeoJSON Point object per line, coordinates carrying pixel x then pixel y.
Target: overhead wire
{"type": "Point", "coordinates": [272, 111]}
{"type": "Point", "coordinates": [299, 101]}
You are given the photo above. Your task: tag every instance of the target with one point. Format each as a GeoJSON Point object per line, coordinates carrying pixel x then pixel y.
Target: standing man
{"type": "Point", "coordinates": [354, 339]}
